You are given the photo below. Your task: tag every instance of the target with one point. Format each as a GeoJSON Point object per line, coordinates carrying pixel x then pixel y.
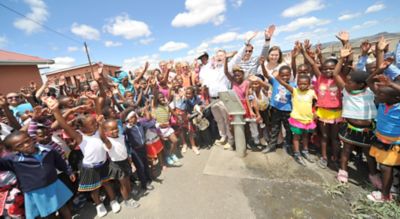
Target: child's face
{"type": "Point", "coordinates": [303, 84]}
{"type": "Point", "coordinates": [238, 76]}
{"type": "Point", "coordinates": [302, 70]}
{"type": "Point", "coordinates": [23, 143]}
{"type": "Point", "coordinates": [285, 75]}
{"type": "Point", "coordinates": [111, 129]}
{"type": "Point", "coordinates": [255, 85]}
{"type": "Point", "coordinates": [89, 125]}
{"type": "Point", "coordinates": [161, 99]}
{"type": "Point", "coordinates": [132, 120]}
{"type": "Point", "coordinates": [351, 85]}
{"type": "Point", "coordinates": [67, 102]}
{"type": "Point", "coordinates": [386, 95]}
{"type": "Point", "coordinates": [327, 69]}
{"type": "Point", "coordinates": [143, 84]}
{"type": "Point", "coordinates": [43, 136]}
{"type": "Point", "coordinates": [189, 94]}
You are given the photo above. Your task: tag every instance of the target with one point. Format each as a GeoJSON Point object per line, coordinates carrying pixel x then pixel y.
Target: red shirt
{"type": "Point", "coordinates": [328, 93]}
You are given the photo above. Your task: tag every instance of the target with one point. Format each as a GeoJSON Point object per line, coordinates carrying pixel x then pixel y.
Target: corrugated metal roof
{"type": "Point", "coordinates": [76, 67]}
{"type": "Point", "coordinates": [13, 58]}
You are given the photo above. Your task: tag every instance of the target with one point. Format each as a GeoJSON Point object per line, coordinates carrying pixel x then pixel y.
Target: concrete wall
{"type": "Point", "coordinates": [12, 78]}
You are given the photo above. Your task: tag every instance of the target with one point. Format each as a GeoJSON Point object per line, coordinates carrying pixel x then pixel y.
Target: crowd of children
{"type": "Point", "coordinates": [60, 142]}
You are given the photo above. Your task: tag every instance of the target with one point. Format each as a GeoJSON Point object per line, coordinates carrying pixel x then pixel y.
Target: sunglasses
{"type": "Point", "coordinates": [249, 51]}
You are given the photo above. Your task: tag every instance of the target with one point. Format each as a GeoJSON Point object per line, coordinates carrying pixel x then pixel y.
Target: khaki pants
{"type": "Point", "coordinates": [220, 114]}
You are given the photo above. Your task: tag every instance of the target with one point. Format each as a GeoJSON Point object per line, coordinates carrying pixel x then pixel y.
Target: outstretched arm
{"type": "Point", "coordinates": [314, 65]}
{"type": "Point", "coordinates": [146, 66]}
{"type": "Point", "coordinates": [264, 70]}
{"type": "Point", "coordinates": [284, 83]}
{"type": "Point", "coordinates": [226, 71]}
{"type": "Point", "coordinates": [344, 53]}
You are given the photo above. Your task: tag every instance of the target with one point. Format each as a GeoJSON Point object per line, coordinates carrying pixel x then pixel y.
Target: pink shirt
{"type": "Point", "coordinates": [240, 89]}
{"type": "Point", "coordinates": [164, 91]}
{"type": "Point", "coordinates": [328, 93]}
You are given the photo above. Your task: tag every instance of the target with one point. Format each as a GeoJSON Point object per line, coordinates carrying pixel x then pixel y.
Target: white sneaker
{"type": "Point", "coordinates": [184, 148]}
{"type": "Point", "coordinates": [101, 210]}
{"type": "Point", "coordinates": [227, 146]}
{"type": "Point", "coordinates": [263, 142]}
{"type": "Point", "coordinates": [115, 206]}
{"type": "Point", "coordinates": [196, 150]}
{"type": "Point", "coordinates": [220, 141]}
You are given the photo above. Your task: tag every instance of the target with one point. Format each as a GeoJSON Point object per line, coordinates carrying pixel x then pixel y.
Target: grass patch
{"type": "Point", "coordinates": [335, 190]}
{"type": "Point", "coordinates": [363, 208]}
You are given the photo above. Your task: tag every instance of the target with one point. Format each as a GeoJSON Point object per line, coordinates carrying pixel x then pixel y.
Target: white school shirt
{"type": "Point", "coordinates": [118, 151]}
{"type": "Point", "coordinates": [92, 149]}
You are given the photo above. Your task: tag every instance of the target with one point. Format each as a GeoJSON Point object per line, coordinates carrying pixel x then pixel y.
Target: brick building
{"type": "Point", "coordinates": [71, 74]}
{"type": "Point", "coordinates": [18, 70]}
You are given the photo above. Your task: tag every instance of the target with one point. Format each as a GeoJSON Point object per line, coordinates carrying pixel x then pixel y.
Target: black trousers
{"type": "Point", "coordinates": [279, 118]}
{"type": "Point", "coordinates": [139, 159]}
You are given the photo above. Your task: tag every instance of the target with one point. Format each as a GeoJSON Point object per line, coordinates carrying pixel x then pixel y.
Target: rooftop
{"type": "Point", "coordinates": [76, 67]}
{"type": "Point", "coordinates": [13, 58]}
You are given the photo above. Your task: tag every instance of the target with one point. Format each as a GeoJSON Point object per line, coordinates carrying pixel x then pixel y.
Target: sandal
{"type": "Point", "coordinates": [376, 181]}
{"type": "Point", "coordinates": [342, 176]}
{"type": "Point", "coordinates": [376, 196]}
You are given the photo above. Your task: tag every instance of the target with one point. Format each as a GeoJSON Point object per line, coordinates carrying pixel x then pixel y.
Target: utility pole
{"type": "Point", "coordinates": [90, 62]}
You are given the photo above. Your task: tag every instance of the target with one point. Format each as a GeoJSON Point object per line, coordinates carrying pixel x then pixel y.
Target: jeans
{"type": "Point", "coordinates": [279, 118]}
{"type": "Point", "coordinates": [139, 159]}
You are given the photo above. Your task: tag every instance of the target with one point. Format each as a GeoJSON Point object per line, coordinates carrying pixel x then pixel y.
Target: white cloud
{"type": "Point", "coordinates": [172, 46]}
{"type": "Point", "coordinates": [62, 62]}
{"type": "Point", "coordinates": [374, 8]}
{"type": "Point", "coordinates": [364, 25]}
{"type": "Point", "coordinates": [72, 48]}
{"type": "Point", "coordinates": [304, 22]}
{"type": "Point", "coordinates": [38, 13]}
{"type": "Point", "coordinates": [146, 41]}
{"type": "Point", "coordinates": [85, 31]}
{"type": "Point", "coordinates": [110, 43]}
{"type": "Point", "coordinates": [200, 12]}
{"type": "Point", "coordinates": [237, 3]}
{"type": "Point", "coordinates": [348, 16]}
{"type": "Point", "coordinates": [127, 28]}
{"type": "Point", "coordinates": [303, 8]}
{"type": "Point", "coordinates": [224, 38]}
{"type": "Point", "coordinates": [3, 41]}
{"type": "Point", "coordinates": [135, 62]}
{"type": "Point", "coordinates": [199, 49]}
{"type": "Point", "coordinates": [314, 35]}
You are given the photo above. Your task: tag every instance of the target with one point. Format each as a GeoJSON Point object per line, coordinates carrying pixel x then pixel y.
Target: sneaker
{"type": "Point", "coordinates": [196, 150]}
{"type": "Point", "coordinates": [376, 181]}
{"type": "Point", "coordinates": [256, 141]}
{"type": "Point", "coordinates": [307, 156]}
{"type": "Point", "coordinates": [101, 210]}
{"type": "Point", "coordinates": [227, 146]}
{"type": "Point", "coordinates": [115, 206]}
{"type": "Point", "coordinates": [184, 148]}
{"type": "Point", "coordinates": [174, 158]}
{"type": "Point", "coordinates": [263, 142]}
{"type": "Point", "coordinates": [170, 161]}
{"type": "Point", "coordinates": [322, 163]}
{"type": "Point", "coordinates": [299, 159]}
{"type": "Point", "coordinates": [376, 196]}
{"type": "Point", "coordinates": [220, 141]}
{"type": "Point", "coordinates": [342, 176]}
{"type": "Point", "coordinates": [149, 186]}
{"type": "Point", "coordinates": [268, 149]}
{"type": "Point", "coordinates": [131, 203]}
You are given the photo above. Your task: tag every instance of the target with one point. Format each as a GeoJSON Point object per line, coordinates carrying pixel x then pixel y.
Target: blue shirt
{"type": "Point", "coordinates": [388, 120]}
{"type": "Point", "coordinates": [393, 71]}
{"type": "Point", "coordinates": [281, 98]}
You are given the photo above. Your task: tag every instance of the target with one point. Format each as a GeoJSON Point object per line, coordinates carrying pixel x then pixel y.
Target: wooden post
{"type": "Point", "coordinates": [90, 63]}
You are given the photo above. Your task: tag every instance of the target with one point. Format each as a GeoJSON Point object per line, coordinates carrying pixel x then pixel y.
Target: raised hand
{"type": "Point", "coordinates": [254, 34]}
{"type": "Point", "coordinates": [365, 47]}
{"type": "Point", "coordinates": [383, 80]}
{"type": "Point", "coordinates": [382, 43]}
{"type": "Point", "coordinates": [345, 51]}
{"type": "Point", "coordinates": [318, 49]}
{"type": "Point", "coordinates": [146, 65]}
{"type": "Point", "coordinates": [269, 32]}
{"type": "Point", "coordinates": [261, 60]}
{"type": "Point", "coordinates": [50, 102]}
{"type": "Point", "coordinates": [230, 54]}
{"type": "Point", "coordinates": [307, 44]}
{"type": "Point", "coordinates": [343, 36]}
{"type": "Point", "coordinates": [385, 64]}
{"type": "Point", "coordinates": [26, 92]}
{"type": "Point", "coordinates": [296, 50]}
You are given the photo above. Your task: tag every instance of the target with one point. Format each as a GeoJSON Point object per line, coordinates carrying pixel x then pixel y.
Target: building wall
{"type": "Point", "coordinates": [71, 75]}
{"type": "Point", "coordinates": [12, 78]}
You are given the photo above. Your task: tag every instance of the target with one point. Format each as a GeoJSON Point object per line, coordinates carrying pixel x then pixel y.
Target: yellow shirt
{"type": "Point", "coordinates": [302, 105]}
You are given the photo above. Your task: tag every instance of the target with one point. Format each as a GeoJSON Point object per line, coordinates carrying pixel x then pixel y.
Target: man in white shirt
{"type": "Point", "coordinates": [213, 77]}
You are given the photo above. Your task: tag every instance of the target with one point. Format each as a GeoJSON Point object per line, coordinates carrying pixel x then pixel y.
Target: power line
{"type": "Point", "coordinates": [42, 25]}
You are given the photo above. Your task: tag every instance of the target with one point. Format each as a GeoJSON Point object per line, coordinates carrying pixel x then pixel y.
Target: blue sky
{"type": "Point", "coordinates": [127, 33]}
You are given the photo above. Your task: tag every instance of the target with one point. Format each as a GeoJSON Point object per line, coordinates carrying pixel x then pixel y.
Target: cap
{"type": "Point", "coordinates": [203, 54]}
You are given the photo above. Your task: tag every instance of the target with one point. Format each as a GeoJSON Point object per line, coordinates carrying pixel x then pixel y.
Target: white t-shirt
{"type": "Point", "coordinates": [118, 150]}
{"type": "Point", "coordinates": [92, 149]}
{"type": "Point", "coordinates": [5, 130]}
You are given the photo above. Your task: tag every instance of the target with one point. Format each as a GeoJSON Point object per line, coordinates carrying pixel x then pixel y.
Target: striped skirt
{"type": "Point", "coordinates": [92, 178]}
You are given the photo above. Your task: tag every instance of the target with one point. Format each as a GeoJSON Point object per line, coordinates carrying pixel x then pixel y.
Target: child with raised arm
{"type": "Point", "coordinates": [241, 87]}
{"type": "Point", "coordinates": [94, 172]}
{"type": "Point", "coordinates": [280, 105]}
{"type": "Point", "coordinates": [35, 167]}
{"type": "Point", "coordinates": [329, 105]}
{"type": "Point", "coordinates": [302, 117]}
{"type": "Point", "coordinates": [120, 164]}
{"type": "Point", "coordinates": [359, 112]}
{"type": "Point", "coordinates": [385, 146]}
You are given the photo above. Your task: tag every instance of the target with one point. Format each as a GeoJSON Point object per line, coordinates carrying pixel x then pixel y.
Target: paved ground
{"type": "Point", "coordinates": [218, 184]}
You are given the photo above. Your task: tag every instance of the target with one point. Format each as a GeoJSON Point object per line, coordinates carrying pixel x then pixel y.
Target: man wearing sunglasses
{"type": "Point", "coordinates": [17, 105]}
